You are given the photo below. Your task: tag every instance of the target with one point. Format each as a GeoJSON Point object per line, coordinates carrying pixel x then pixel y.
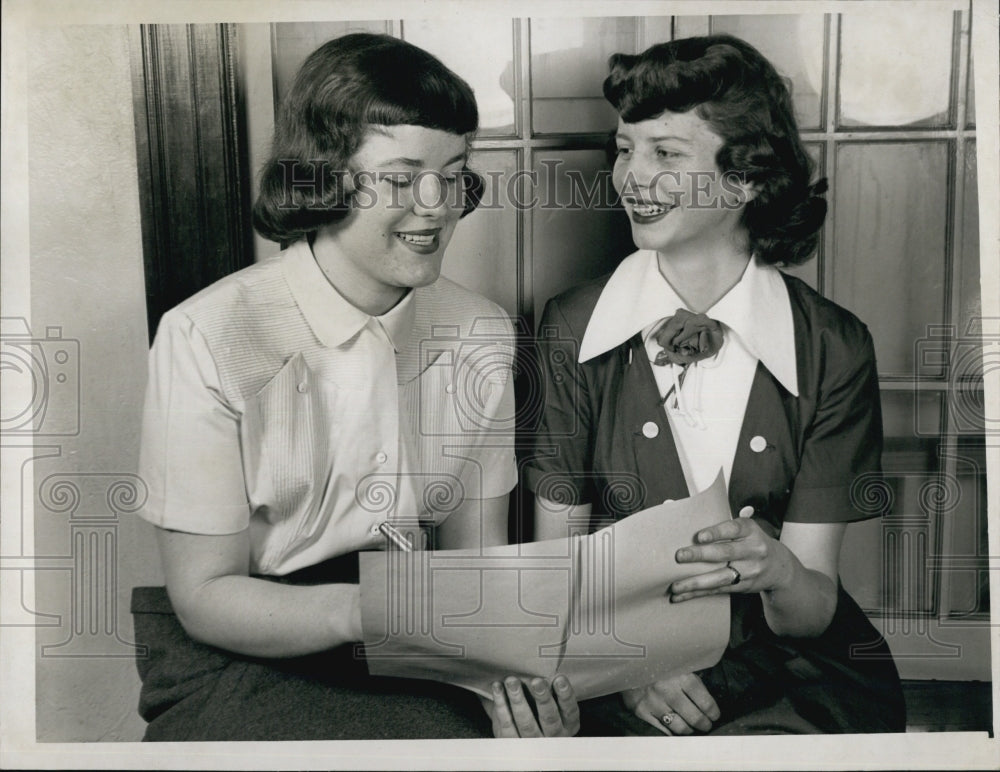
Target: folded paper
{"type": "Point", "coordinates": [593, 607]}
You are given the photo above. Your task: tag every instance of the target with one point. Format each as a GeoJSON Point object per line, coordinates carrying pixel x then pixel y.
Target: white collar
{"type": "Point", "coordinates": [331, 316]}
{"type": "Point", "coordinates": [757, 309]}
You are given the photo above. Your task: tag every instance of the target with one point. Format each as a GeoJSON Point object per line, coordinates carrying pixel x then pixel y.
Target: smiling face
{"type": "Point", "coordinates": [677, 199]}
{"type": "Point", "coordinates": [406, 204]}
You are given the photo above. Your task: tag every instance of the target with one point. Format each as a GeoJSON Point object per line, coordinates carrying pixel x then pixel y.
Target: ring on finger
{"type": "Point", "coordinates": [736, 574]}
{"type": "Point", "coordinates": [667, 718]}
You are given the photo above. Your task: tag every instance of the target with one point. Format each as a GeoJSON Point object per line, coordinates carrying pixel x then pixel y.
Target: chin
{"type": "Point", "coordinates": [647, 241]}
{"type": "Point", "coordinates": [422, 276]}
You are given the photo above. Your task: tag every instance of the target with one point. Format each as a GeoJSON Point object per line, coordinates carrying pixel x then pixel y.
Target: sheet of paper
{"type": "Point", "coordinates": [593, 607]}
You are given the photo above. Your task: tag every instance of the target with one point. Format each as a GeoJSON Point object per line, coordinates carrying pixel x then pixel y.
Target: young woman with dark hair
{"type": "Point", "coordinates": [698, 355]}
{"type": "Point", "coordinates": [298, 409]}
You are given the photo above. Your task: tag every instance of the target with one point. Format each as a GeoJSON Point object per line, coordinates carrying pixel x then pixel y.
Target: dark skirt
{"type": "Point", "coordinates": [191, 691]}
{"type": "Point", "coordinates": [843, 681]}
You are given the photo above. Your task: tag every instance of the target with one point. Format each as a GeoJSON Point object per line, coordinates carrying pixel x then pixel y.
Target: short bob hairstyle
{"type": "Point", "coordinates": [345, 86]}
{"type": "Point", "coordinates": [738, 92]}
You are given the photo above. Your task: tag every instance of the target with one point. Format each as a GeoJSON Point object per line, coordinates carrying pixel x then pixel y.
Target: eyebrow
{"type": "Point", "coordinates": [417, 163]}
{"type": "Point", "coordinates": [663, 138]}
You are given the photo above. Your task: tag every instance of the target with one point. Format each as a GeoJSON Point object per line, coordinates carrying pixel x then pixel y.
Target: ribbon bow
{"type": "Point", "coordinates": [684, 339]}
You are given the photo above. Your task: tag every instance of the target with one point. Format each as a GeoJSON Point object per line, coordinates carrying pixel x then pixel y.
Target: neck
{"type": "Point", "coordinates": [702, 278]}
{"type": "Point", "coordinates": [356, 288]}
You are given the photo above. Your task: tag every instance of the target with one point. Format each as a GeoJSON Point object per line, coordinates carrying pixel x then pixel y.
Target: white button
{"type": "Point", "coordinates": [650, 429]}
{"type": "Point", "coordinates": [375, 530]}
{"type": "Point", "coordinates": [747, 511]}
{"type": "Point", "coordinates": [757, 444]}
{"type": "Point", "coordinates": [450, 388]}
{"type": "Point", "coordinates": [381, 457]}
{"type": "Point", "coordinates": [302, 388]}
{"type": "Point", "coordinates": [668, 501]}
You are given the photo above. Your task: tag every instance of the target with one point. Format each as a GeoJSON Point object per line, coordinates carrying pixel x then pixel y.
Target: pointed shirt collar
{"type": "Point", "coordinates": [332, 318]}
{"type": "Point", "coordinates": [757, 309]}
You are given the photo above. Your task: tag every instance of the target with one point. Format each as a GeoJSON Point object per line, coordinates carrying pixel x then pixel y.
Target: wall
{"type": "Point", "coordinates": [87, 279]}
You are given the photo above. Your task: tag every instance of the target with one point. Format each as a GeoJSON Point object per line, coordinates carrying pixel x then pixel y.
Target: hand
{"type": "Point", "coordinates": [754, 561]}
{"type": "Point", "coordinates": [512, 714]}
{"type": "Point", "coordinates": [676, 705]}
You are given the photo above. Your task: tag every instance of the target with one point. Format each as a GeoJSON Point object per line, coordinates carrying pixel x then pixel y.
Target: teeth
{"type": "Point", "coordinates": [647, 210]}
{"type": "Point", "coordinates": [409, 238]}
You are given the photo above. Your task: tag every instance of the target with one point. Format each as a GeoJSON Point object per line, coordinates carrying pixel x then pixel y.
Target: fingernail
{"type": "Point", "coordinates": [703, 537]}
{"type": "Point", "coordinates": [513, 684]}
{"type": "Point", "coordinates": [562, 684]}
{"type": "Point", "coordinates": [683, 554]}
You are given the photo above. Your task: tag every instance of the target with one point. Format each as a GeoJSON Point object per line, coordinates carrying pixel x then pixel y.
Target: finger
{"type": "Point", "coordinates": [728, 529]}
{"type": "Point", "coordinates": [568, 705]}
{"type": "Point", "coordinates": [646, 714]}
{"type": "Point", "coordinates": [632, 697]}
{"type": "Point", "coordinates": [503, 719]}
{"type": "Point", "coordinates": [524, 719]}
{"type": "Point", "coordinates": [672, 695]}
{"type": "Point", "coordinates": [549, 718]}
{"type": "Point", "coordinates": [684, 714]}
{"type": "Point", "coordinates": [720, 580]}
{"type": "Point", "coordinates": [676, 725]}
{"type": "Point", "coordinates": [712, 553]}
{"type": "Point", "coordinates": [702, 698]}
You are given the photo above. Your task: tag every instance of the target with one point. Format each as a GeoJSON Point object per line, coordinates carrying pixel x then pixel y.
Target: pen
{"type": "Point", "coordinates": [395, 537]}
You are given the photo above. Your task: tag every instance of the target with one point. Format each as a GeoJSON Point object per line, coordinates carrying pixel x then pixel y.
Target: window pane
{"type": "Point", "coordinates": [794, 45]}
{"type": "Point", "coordinates": [482, 54]}
{"type": "Point", "coordinates": [572, 241]}
{"type": "Point", "coordinates": [294, 41]}
{"type": "Point", "coordinates": [895, 68]}
{"type": "Point", "coordinates": [970, 302]}
{"type": "Point", "coordinates": [885, 563]}
{"type": "Point", "coordinates": [482, 255]}
{"type": "Point", "coordinates": [969, 591]}
{"type": "Point", "coordinates": [890, 260]}
{"type": "Point", "coordinates": [970, 113]}
{"type": "Point", "coordinates": [569, 62]}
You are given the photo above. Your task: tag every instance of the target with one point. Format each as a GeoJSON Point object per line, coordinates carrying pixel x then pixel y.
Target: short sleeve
{"type": "Point", "coordinates": [842, 445]}
{"type": "Point", "coordinates": [562, 450]}
{"type": "Point", "coordinates": [496, 458]}
{"type": "Point", "coordinates": [190, 455]}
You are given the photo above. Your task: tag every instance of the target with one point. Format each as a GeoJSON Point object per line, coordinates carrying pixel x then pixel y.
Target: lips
{"type": "Point", "coordinates": [423, 242]}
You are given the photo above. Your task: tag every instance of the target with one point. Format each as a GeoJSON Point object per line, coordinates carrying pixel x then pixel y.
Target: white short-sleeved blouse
{"type": "Point", "coordinates": [275, 404]}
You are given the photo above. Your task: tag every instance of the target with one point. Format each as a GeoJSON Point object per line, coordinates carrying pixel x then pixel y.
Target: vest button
{"type": "Point", "coordinates": [650, 429]}
{"type": "Point", "coordinates": [747, 511]}
{"type": "Point", "coordinates": [758, 444]}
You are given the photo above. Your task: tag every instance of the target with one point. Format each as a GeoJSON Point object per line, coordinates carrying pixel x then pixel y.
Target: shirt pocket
{"type": "Point", "coordinates": [285, 436]}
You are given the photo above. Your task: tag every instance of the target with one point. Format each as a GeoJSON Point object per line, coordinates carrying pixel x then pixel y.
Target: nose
{"type": "Point", "coordinates": [633, 176]}
{"type": "Point", "coordinates": [430, 195]}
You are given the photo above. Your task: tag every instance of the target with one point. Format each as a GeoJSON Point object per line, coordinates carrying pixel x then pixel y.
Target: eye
{"type": "Point", "coordinates": [399, 179]}
{"type": "Point", "coordinates": [666, 153]}
{"type": "Point", "coordinates": [623, 151]}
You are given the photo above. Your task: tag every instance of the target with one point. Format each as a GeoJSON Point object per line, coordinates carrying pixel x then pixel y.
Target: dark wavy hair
{"type": "Point", "coordinates": [737, 91]}
{"type": "Point", "coordinates": [344, 87]}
